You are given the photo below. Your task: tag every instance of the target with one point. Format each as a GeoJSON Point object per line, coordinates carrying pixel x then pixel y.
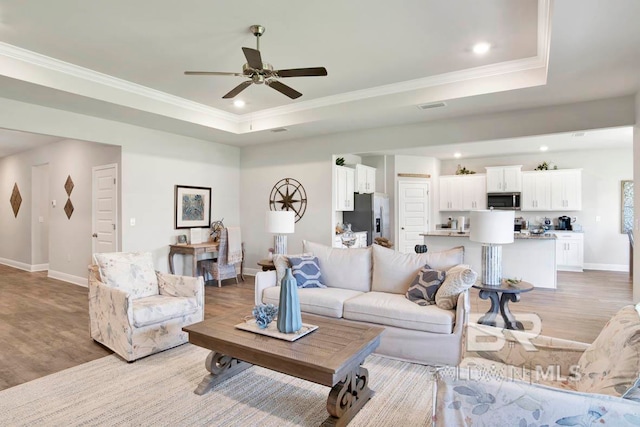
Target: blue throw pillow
{"type": "Point", "coordinates": [306, 270]}
{"type": "Point", "coordinates": [423, 289]}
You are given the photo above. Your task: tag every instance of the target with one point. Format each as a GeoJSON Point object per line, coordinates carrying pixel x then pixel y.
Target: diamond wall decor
{"type": "Point", "coordinates": [16, 199]}
{"type": "Point", "coordinates": [68, 185]}
{"type": "Point", "coordinates": [68, 208]}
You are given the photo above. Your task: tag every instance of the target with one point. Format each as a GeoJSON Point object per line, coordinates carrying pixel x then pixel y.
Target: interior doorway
{"type": "Point", "coordinates": [413, 213]}
{"type": "Point", "coordinates": [105, 209]}
{"type": "Point", "coordinates": [40, 217]}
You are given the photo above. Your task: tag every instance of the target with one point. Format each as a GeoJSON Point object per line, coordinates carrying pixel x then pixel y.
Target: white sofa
{"type": "Point", "coordinates": [369, 285]}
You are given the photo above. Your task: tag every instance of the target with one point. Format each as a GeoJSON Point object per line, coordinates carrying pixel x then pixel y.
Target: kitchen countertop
{"type": "Point", "coordinates": [445, 233]}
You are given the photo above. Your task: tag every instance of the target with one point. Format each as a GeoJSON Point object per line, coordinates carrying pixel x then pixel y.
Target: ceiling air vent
{"type": "Point", "coordinates": [432, 105]}
{"type": "Point", "coordinates": [278, 130]}
{"type": "Point", "coordinates": [578, 134]}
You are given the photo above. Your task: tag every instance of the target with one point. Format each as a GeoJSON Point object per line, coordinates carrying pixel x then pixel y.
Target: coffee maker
{"type": "Point", "coordinates": [564, 223]}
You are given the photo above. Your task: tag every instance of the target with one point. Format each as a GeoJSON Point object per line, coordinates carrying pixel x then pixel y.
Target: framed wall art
{"type": "Point", "coordinates": [193, 207]}
{"type": "Point", "coordinates": [626, 207]}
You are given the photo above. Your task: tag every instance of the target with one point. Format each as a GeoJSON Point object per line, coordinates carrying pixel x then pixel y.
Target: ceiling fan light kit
{"type": "Point", "coordinates": [259, 72]}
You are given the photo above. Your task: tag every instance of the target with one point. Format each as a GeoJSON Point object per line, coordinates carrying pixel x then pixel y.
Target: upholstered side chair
{"type": "Point", "coordinates": [220, 268]}
{"type": "Point", "coordinates": [136, 311]}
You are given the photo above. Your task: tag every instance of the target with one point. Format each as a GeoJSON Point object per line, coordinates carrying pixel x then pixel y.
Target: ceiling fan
{"type": "Point", "coordinates": [260, 72]}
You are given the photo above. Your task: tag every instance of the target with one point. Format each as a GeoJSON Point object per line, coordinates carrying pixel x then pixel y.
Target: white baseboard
{"type": "Point", "coordinates": [40, 267]}
{"type": "Point", "coordinates": [607, 267]}
{"type": "Point", "coordinates": [250, 271]}
{"type": "Point", "coordinates": [76, 280]}
{"type": "Point", "coordinates": [16, 264]}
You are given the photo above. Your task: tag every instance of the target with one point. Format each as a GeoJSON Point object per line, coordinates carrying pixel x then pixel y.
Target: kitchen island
{"type": "Point", "coordinates": [531, 258]}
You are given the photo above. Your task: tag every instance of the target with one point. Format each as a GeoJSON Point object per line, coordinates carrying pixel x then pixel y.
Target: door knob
{"type": "Point", "coordinates": [401, 228]}
{"type": "Point", "coordinates": [94, 235]}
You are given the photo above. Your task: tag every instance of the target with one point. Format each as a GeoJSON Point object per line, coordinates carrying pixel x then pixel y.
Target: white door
{"type": "Point", "coordinates": [105, 209]}
{"type": "Point", "coordinates": [413, 214]}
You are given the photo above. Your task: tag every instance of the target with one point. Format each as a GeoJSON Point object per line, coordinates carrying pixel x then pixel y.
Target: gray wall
{"type": "Point", "coordinates": [69, 239]}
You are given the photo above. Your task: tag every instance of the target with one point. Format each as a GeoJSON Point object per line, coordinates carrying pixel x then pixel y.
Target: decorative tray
{"type": "Point", "coordinates": [272, 330]}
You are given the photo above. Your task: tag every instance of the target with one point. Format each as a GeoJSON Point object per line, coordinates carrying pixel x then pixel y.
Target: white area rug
{"type": "Point", "coordinates": [158, 391]}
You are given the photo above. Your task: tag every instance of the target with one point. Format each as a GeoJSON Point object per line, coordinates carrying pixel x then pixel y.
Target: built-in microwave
{"type": "Point", "coordinates": [505, 201]}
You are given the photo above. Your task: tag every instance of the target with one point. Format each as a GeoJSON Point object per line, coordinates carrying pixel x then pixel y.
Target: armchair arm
{"type": "Point", "coordinates": [180, 286]}
{"type": "Point", "coordinates": [520, 348]}
{"type": "Point", "coordinates": [264, 280]}
{"type": "Point", "coordinates": [486, 400]}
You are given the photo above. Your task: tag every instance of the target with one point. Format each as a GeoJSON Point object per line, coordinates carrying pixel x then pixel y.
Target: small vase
{"type": "Point", "coordinates": [348, 237]}
{"type": "Point", "coordinates": [289, 316]}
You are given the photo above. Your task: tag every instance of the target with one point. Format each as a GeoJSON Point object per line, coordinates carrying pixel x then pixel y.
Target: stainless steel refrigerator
{"type": "Point", "coordinates": [371, 214]}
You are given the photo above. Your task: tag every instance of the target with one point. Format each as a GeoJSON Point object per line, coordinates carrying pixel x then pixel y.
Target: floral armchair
{"type": "Point", "coordinates": [551, 382]}
{"type": "Point", "coordinates": [136, 311]}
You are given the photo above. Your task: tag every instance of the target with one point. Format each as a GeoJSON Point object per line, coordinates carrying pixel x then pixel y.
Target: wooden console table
{"type": "Point", "coordinates": [194, 251]}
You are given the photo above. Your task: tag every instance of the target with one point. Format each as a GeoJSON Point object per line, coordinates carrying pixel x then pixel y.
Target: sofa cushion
{"type": "Point", "coordinates": [394, 271]}
{"type": "Point", "coordinates": [395, 310]}
{"type": "Point", "coordinates": [610, 364]}
{"type": "Point", "coordinates": [307, 272]}
{"type": "Point", "coordinates": [281, 263]}
{"type": "Point", "coordinates": [131, 272]}
{"type": "Point", "coordinates": [160, 308]}
{"type": "Point", "coordinates": [422, 290]}
{"type": "Point", "coordinates": [343, 268]}
{"type": "Point", "coordinates": [458, 279]}
{"type": "Point", "coordinates": [325, 302]}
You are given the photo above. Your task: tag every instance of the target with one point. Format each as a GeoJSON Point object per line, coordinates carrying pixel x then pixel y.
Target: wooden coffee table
{"type": "Point", "coordinates": [332, 356]}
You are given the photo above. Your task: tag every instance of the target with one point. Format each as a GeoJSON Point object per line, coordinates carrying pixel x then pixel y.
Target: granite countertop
{"type": "Point", "coordinates": [518, 236]}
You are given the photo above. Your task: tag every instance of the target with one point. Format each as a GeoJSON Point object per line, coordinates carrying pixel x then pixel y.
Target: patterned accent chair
{"type": "Point", "coordinates": [551, 382]}
{"type": "Point", "coordinates": [136, 311]}
{"type": "Point", "coordinates": [218, 268]}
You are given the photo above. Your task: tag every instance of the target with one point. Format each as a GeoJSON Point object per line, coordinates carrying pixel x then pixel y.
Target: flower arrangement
{"type": "Point", "coordinates": [464, 171]}
{"type": "Point", "coordinates": [264, 314]}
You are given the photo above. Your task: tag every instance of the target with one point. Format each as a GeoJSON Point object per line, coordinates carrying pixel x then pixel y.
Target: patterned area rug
{"type": "Point", "coordinates": [158, 390]}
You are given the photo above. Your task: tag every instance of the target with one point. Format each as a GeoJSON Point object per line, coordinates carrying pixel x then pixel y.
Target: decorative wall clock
{"type": "Point", "coordinates": [288, 195]}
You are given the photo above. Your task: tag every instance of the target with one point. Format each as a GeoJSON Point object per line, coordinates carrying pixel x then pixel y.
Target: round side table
{"type": "Point", "coordinates": [266, 264]}
{"type": "Point", "coordinates": [500, 297]}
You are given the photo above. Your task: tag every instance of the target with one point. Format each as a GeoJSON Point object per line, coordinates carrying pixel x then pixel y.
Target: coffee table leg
{"type": "Point", "coordinates": [347, 397]}
{"type": "Point", "coordinates": [222, 367]}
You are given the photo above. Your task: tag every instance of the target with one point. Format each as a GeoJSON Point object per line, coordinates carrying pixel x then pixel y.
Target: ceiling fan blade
{"type": "Point", "coordinates": [254, 59]}
{"type": "Point", "coordinates": [211, 73]}
{"type": "Point", "coordinates": [284, 89]}
{"type": "Point", "coordinates": [302, 72]}
{"type": "Point", "coordinates": [236, 90]}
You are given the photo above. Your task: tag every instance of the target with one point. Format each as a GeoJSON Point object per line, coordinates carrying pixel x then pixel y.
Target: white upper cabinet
{"type": "Point", "coordinates": [536, 191]}
{"type": "Point", "coordinates": [344, 186]}
{"type": "Point", "coordinates": [566, 190]}
{"type": "Point", "coordinates": [504, 179]}
{"type": "Point", "coordinates": [554, 190]}
{"type": "Point", "coordinates": [365, 179]}
{"type": "Point", "coordinates": [463, 192]}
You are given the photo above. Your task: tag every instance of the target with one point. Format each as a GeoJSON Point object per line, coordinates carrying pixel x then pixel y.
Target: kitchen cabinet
{"type": "Point", "coordinates": [463, 192]}
{"type": "Point", "coordinates": [361, 240]}
{"type": "Point", "coordinates": [474, 192]}
{"type": "Point", "coordinates": [569, 251]}
{"type": "Point", "coordinates": [536, 191]}
{"type": "Point", "coordinates": [566, 189]}
{"type": "Point", "coordinates": [344, 186]}
{"type": "Point", "coordinates": [365, 179]}
{"type": "Point", "coordinates": [504, 179]}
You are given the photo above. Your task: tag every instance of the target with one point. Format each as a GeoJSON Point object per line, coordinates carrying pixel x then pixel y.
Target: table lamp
{"type": "Point", "coordinates": [492, 229]}
{"type": "Point", "coordinates": [281, 223]}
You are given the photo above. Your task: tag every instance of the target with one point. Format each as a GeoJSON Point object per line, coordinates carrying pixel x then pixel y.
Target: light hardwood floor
{"type": "Point", "coordinates": [44, 323]}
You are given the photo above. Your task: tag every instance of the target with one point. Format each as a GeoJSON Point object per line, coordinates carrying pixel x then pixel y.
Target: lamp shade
{"type": "Point", "coordinates": [493, 227]}
{"type": "Point", "coordinates": [281, 222]}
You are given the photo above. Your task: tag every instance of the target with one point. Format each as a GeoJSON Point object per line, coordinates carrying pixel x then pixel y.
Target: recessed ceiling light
{"type": "Point", "coordinates": [481, 48]}
{"type": "Point", "coordinates": [544, 148]}
{"type": "Point", "coordinates": [239, 103]}
{"type": "Point", "coordinates": [457, 155]}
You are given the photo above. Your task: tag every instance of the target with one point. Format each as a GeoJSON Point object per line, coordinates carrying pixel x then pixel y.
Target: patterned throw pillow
{"type": "Point", "coordinates": [423, 289]}
{"type": "Point", "coordinates": [306, 270]}
{"type": "Point", "coordinates": [634, 392]}
{"type": "Point", "coordinates": [281, 263]}
{"type": "Point", "coordinates": [458, 279]}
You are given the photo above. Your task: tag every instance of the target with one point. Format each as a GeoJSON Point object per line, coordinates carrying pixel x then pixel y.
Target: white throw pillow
{"type": "Point", "coordinates": [133, 272]}
{"type": "Point", "coordinates": [343, 268]}
{"type": "Point", "coordinates": [394, 271]}
{"type": "Point", "coordinates": [458, 279]}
